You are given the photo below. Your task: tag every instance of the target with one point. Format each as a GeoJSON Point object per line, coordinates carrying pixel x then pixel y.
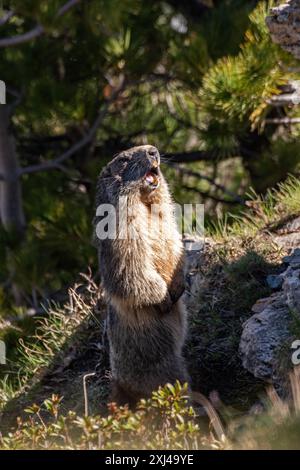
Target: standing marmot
{"type": "Point", "coordinates": [142, 274]}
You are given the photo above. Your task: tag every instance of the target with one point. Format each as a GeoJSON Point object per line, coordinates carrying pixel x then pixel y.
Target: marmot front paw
{"type": "Point", "coordinates": [175, 294]}
{"type": "Point", "coordinates": [165, 305]}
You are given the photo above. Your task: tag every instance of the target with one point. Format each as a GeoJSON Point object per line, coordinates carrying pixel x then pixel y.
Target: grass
{"type": "Point", "coordinates": [66, 344]}
{"type": "Point", "coordinates": [41, 389]}
{"type": "Point", "coordinates": [278, 428]}
{"type": "Point", "coordinates": [165, 421]}
{"type": "Point", "coordinates": [262, 213]}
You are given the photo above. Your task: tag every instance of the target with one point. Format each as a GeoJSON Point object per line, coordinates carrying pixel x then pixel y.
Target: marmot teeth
{"type": "Point", "coordinates": [151, 178]}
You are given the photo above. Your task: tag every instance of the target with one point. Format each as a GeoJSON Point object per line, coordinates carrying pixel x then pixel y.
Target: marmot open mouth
{"type": "Point", "coordinates": [152, 177]}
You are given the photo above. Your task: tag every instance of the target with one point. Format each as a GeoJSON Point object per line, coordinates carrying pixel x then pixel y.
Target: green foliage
{"type": "Point", "coordinates": [202, 84]}
{"type": "Point", "coordinates": [162, 422]}
{"type": "Point", "coordinates": [42, 345]}
{"type": "Point", "coordinates": [57, 245]}
{"type": "Point", "coordinates": [236, 89]}
{"type": "Point", "coordinates": [248, 274]}
{"type": "Point", "coordinates": [191, 84]}
{"type": "Point", "coordinates": [279, 204]}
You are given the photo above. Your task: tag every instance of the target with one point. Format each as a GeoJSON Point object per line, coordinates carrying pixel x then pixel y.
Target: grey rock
{"type": "Point", "coordinates": [288, 236]}
{"type": "Point", "coordinates": [288, 241]}
{"type": "Point", "coordinates": [261, 304]}
{"type": "Point", "coordinates": [274, 282]}
{"type": "Point", "coordinates": [291, 226]}
{"type": "Point", "coordinates": [284, 26]}
{"type": "Point", "coordinates": [262, 338]}
{"type": "Point", "coordinates": [291, 288]}
{"type": "Point", "coordinates": [268, 331]}
{"type": "Point", "coordinates": [293, 258]}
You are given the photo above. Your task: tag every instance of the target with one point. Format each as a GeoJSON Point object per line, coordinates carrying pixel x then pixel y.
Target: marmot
{"type": "Point", "coordinates": [142, 276]}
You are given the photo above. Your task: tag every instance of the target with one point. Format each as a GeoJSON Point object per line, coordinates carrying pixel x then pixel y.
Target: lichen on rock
{"type": "Point", "coordinates": [284, 26]}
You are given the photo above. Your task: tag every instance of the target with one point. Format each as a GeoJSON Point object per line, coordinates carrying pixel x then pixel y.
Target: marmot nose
{"type": "Point", "coordinates": [153, 155]}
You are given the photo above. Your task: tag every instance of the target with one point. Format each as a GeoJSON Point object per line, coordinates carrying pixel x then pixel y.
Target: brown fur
{"type": "Point", "coordinates": [143, 280]}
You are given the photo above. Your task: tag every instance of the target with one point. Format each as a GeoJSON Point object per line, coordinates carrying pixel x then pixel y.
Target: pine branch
{"type": "Point", "coordinates": [207, 195]}
{"type": "Point", "coordinates": [57, 163]}
{"type": "Point", "coordinates": [38, 30]}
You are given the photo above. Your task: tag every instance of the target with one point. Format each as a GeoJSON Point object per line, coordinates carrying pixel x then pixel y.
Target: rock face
{"type": "Point", "coordinates": [263, 334]}
{"type": "Point", "coordinates": [268, 331]}
{"type": "Point", "coordinates": [288, 236]}
{"type": "Point", "coordinates": [284, 26]}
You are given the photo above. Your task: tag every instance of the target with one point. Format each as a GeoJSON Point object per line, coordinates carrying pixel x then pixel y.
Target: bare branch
{"type": "Point", "coordinates": [38, 30]}
{"type": "Point", "coordinates": [209, 195]}
{"type": "Point", "coordinates": [289, 96]}
{"type": "Point", "coordinates": [15, 40]}
{"type": "Point", "coordinates": [284, 120]}
{"type": "Point", "coordinates": [89, 136]}
{"type": "Point", "coordinates": [67, 7]}
{"type": "Point", "coordinates": [6, 17]}
{"type": "Point", "coordinates": [205, 155]}
{"type": "Point", "coordinates": [236, 198]}
{"type": "Point", "coordinates": [188, 157]}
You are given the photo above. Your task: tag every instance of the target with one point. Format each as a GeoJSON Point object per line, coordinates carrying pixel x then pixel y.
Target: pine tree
{"type": "Point", "coordinates": [206, 84]}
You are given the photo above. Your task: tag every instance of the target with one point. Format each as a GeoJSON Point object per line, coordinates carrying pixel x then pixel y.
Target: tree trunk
{"type": "Point", "coordinates": [11, 210]}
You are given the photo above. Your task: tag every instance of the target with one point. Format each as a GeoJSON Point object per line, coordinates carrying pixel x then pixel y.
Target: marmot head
{"type": "Point", "coordinates": [136, 169]}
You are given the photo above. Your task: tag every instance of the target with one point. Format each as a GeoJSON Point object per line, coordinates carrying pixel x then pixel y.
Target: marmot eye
{"type": "Point", "coordinates": [152, 153]}
{"type": "Point", "coordinates": [123, 161]}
